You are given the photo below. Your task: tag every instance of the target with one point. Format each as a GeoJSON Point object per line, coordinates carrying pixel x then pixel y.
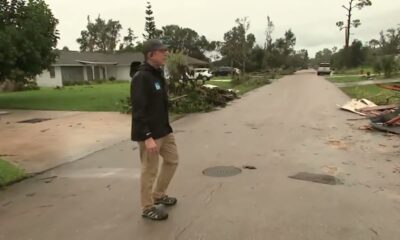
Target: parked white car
{"type": "Point", "coordinates": [202, 73]}
{"type": "Point", "coordinates": [324, 68]}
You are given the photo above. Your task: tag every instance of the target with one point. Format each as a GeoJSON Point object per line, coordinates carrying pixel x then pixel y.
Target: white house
{"type": "Point", "coordinates": [72, 66]}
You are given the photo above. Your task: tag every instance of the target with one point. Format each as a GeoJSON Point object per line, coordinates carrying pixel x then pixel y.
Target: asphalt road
{"type": "Point", "coordinates": [290, 126]}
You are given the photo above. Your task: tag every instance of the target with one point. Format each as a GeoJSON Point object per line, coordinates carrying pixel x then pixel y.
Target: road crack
{"type": "Point", "coordinates": [183, 230]}
{"type": "Point", "coordinates": [211, 194]}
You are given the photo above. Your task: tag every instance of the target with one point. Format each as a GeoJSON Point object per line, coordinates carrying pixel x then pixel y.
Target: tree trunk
{"type": "Point", "coordinates": [233, 72]}
{"type": "Point", "coordinates": [348, 28]}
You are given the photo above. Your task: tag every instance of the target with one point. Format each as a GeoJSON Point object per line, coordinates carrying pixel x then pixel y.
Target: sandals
{"type": "Point", "coordinates": [155, 214]}
{"type": "Point", "coordinates": [167, 201]}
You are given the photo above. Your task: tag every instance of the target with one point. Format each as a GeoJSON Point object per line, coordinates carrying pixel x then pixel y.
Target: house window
{"type": "Point", "coordinates": [52, 71]}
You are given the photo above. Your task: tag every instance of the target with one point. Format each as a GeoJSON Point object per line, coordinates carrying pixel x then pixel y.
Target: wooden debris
{"type": "Point", "coordinates": [378, 108]}
{"type": "Point", "coordinates": [366, 127]}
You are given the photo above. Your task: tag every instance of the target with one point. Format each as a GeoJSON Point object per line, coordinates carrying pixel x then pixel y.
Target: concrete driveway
{"type": "Point", "coordinates": [282, 129]}
{"type": "Point", "coordinates": [65, 137]}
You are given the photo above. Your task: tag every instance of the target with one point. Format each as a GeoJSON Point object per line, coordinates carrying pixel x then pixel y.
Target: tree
{"type": "Point", "coordinates": [100, 36]}
{"type": "Point", "coordinates": [238, 43]}
{"type": "Point", "coordinates": [390, 42]}
{"type": "Point", "coordinates": [128, 42]}
{"type": "Point", "coordinates": [268, 33]}
{"type": "Point", "coordinates": [150, 25]}
{"type": "Point", "coordinates": [268, 56]}
{"type": "Point", "coordinates": [374, 44]}
{"type": "Point", "coordinates": [65, 48]}
{"type": "Point", "coordinates": [283, 48]}
{"type": "Point", "coordinates": [289, 43]}
{"type": "Point", "coordinates": [357, 54]}
{"type": "Point", "coordinates": [176, 64]}
{"type": "Point", "coordinates": [256, 59]}
{"type": "Point", "coordinates": [323, 56]}
{"type": "Point", "coordinates": [353, 56]}
{"type": "Point", "coordinates": [304, 58]}
{"type": "Point", "coordinates": [388, 65]}
{"type": "Point", "coordinates": [28, 36]}
{"type": "Point", "coordinates": [187, 41]}
{"type": "Point", "coordinates": [281, 53]}
{"type": "Point", "coordinates": [352, 5]}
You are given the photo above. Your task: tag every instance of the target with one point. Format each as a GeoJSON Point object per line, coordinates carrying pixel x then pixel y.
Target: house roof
{"type": "Point", "coordinates": [195, 61]}
{"type": "Point", "coordinates": [74, 58]}
{"type": "Point", "coordinates": [71, 58]}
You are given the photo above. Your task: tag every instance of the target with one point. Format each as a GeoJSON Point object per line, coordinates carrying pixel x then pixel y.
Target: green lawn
{"type": "Point", "coordinates": [353, 78]}
{"type": "Point", "coordinates": [355, 71]}
{"type": "Point", "coordinates": [222, 78]}
{"type": "Point", "coordinates": [9, 173]}
{"type": "Point", "coordinates": [374, 93]}
{"type": "Point", "coordinates": [345, 79]}
{"type": "Point", "coordinates": [242, 88]}
{"type": "Point", "coordinates": [102, 97]}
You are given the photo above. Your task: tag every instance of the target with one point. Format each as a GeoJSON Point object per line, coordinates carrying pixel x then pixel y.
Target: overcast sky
{"type": "Point", "coordinates": [313, 21]}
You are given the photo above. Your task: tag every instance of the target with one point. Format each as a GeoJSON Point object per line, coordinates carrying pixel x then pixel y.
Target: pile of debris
{"type": "Point", "coordinates": [383, 118]}
{"type": "Point", "coordinates": [218, 96]}
{"type": "Point", "coordinates": [202, 99]}
{"type": "Point", "coordinates": [199, 99]}
{"type": "Point", "coordinates": [388, 122]}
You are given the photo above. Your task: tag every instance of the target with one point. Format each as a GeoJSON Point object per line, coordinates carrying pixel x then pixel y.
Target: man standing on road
{"type": "Point", "coordinates": [152, 130]}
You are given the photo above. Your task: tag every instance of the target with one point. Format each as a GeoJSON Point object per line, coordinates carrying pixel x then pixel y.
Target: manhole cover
{"type": "Point", "coordinates": [222, 171]}
{"type": "Point", "coordinates": [317, 178]}
{"type": "Point", "coordinates": [35, 120]}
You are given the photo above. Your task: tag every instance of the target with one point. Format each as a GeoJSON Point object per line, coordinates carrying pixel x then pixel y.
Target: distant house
{"type": "Point", "coordinates": [72, 66]}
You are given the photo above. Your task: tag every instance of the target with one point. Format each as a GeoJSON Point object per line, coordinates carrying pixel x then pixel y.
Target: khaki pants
{"type": "Point", "coordinates": [168, 151]}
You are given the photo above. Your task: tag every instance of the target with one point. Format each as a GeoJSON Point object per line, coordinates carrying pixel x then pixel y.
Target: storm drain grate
{"type": "Point", "coordinates": [35, 120]}
{"type": "Point", "coordinates": [317, 178]}
{"type": "Point", "coordinates": [222, 171]}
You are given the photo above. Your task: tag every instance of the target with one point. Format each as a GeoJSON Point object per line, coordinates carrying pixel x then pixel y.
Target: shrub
{"type": "Point", "coordinates": [176, 63]}
{"type": "Point", "coordinates": [10, 86]}
{"type": "Point", "coordinates": [287, 71]}
{"type": "Point", "coordinates": [66, 84]}
{"type": "Point", "coordinates": [240, 79]}
{"type": "Point", "coordinates": [125, 105]}
{"type": "Point", "coordinates": [94, 82]}
{"type": "Point", "coordinates": [31, 85]}
{"type": "Point", "coordinates": [385, 64]}
{"type": "Point", "coordinates": [377, 67]}
{"type": "Point", "coordinates": [388, 65]}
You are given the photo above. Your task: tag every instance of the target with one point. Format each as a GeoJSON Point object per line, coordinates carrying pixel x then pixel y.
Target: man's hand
{"type": "Point", "coordinates": [151, 146]}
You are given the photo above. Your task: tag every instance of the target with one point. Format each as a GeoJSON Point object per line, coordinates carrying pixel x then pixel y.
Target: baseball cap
{"type": "Point", "coordinates": [153, 45]}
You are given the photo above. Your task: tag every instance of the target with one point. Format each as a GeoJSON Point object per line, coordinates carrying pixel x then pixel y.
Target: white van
{"type": "Point", "coordinates": [324, 68]}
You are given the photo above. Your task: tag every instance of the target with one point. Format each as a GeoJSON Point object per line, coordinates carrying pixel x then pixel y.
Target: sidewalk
{"type": "Point", "coordinates": [366, 83]}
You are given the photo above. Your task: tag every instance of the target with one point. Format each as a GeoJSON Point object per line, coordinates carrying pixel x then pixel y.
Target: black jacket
{"type": "Point", "coordinates": [149, 104]}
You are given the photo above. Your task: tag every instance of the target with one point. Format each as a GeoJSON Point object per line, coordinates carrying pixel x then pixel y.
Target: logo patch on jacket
{"type": "Point", "coordinates": [157, 85]}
